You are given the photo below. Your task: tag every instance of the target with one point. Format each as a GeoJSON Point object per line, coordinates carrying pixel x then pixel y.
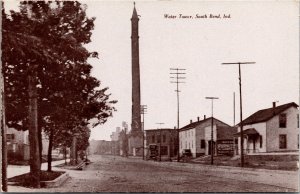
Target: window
{"type": "Point", "coordinates": [158, 139]}
{"type": "Point", "coordinates": [164, 150]}
{"type": "Point", "coordinates": [298, 141]}
{"type": "Point", "coordinates": [189, 146]}
{"type": "Point", "coordinates": [185, 145]}
{"type": "Point", "coordinates": [192, 144]}
{"type": "Point", "coordinates": [202, 143]}
{"type": "Point", "coordinates": [10, 137]}
{"type": "Point", "coordinates": [282, 141]}
{"type": "Point", "coordinates": [164, 138]}
{"type": "Point", "coordinates": [260, 141]}
{"type": "Point", "coordinates": [153, 138]}
{"type": "Point", "coordinates": [282, 121]}
{"type": "Point", "coordinates": [297, 120]}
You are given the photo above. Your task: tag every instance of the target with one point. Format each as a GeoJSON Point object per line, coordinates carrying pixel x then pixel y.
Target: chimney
{"type": "Point", "coordinates": [274, 106]}
{"type": "Point", "coordinates": [191, 121]}
{"type": "Point", "coordinates": [198, 119]}
{"type": "Point", "coordinates": [174, 127]}
{"type": "Point", "coordinates": [204, 116]}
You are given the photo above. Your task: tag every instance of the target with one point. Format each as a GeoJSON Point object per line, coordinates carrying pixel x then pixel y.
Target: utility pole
{"type": "Point", "coordinates": [160, 139]}
{"type": "Point", "coordinates": [3, 135]}
{"type": "Point", "coordinates": [179, 75]}
{"type": "Point", "coordinates": [241, 109]}
{"type": "Point", "coordinates": [143, 112]}
{"type": "Point", "coordinates": [212, 129]}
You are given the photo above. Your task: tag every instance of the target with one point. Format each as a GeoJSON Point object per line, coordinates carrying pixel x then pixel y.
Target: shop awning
{"type": "Point", "coordinates": [250, 131]}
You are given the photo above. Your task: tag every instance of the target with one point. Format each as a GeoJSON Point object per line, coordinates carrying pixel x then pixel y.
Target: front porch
{"type": "Point", "coordinates": [252, 142]}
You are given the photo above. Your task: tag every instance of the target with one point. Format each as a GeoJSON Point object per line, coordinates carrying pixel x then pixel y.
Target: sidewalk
{"type": "Point", "coordinates": [286, 179]}
{"type": "Point", "coordinates": [15, 170]}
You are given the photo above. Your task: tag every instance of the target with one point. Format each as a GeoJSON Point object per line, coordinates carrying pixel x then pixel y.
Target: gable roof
{"type": "Point", "coordinates": [226, 132]}
{"type": "Point", "coordinates": [197, 123]}
{"type": "Point", "coordinates": [160, 129]}
{"type": "Point", "coordinates": [266, 114]}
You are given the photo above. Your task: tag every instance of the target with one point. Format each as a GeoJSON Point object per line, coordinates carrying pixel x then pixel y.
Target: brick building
{"type": "Point", "coordinates": [165, 139]}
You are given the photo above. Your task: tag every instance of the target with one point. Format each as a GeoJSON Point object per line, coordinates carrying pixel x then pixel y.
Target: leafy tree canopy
{"type": "Point", "coordinates": [46, 39]}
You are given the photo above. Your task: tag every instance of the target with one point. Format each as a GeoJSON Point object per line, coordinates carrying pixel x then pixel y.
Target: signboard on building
{"type": "Point", "coordinates": [225, 147]}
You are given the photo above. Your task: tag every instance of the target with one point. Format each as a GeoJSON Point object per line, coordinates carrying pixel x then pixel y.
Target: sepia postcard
{"type": "Point", "coordinates": [150, 96]}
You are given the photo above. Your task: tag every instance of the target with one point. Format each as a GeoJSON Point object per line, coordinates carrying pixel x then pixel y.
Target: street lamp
{"type": "Point", "coordinates": [212, 130]}
{"type": "Point", "coordinates": [241, 110]}
{"type": "Point", "coordinates": [160, 140]}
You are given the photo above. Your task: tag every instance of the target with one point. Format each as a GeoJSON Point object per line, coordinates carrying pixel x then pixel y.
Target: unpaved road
{"type": "Point", "coordinates": [117, 174]}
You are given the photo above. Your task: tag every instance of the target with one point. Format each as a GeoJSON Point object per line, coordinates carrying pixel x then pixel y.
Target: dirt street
{"type": "Point", "coordinates": [117, 174]}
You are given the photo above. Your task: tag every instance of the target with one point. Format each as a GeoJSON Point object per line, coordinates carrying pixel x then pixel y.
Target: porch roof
{"type": "Point", "coordinates": [250, 131]}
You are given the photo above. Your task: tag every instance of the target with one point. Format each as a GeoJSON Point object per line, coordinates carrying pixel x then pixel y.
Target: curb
{"type": "Point", "coordinates": [56, 182]}
{"type": "Point", "coordinates": [50, 184]}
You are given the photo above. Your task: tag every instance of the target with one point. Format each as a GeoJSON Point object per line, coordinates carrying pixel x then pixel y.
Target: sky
{"type": "Point", "coordinates": [264, 32]}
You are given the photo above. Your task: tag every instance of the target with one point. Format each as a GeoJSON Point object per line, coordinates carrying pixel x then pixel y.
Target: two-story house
{"type": "Point", "coordinates": [196, 136]}
{"type": "Point", "coordinates": [274, 129]}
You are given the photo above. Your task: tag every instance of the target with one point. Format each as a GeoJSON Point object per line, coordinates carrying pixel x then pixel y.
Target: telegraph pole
{"type": "Point", "coordinates": [179, 75]}
{"type": "Point", "coordinates": [3, 135]}
{"type": "Point", "coordinates": [212, 129]}
{"type": "Point", "coordinates": [143, 112]}
{"type": "Point", "coordinates": [241, 109]}
{"type": "Point", "coordinates": [160, 139]}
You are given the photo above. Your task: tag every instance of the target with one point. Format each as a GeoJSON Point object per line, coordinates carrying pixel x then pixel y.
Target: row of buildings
{"type": "Point", "coordinates": [274, 129]}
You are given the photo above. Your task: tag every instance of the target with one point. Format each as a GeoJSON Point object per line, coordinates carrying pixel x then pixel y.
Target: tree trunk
{"type": "Point", "coordinates": [50, 150]}
{"type": "Point", "coordinates": [35, 163]}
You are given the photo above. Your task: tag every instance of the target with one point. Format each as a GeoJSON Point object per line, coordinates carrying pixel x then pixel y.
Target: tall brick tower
{"type": "Point", "coordinates": [135, 141]}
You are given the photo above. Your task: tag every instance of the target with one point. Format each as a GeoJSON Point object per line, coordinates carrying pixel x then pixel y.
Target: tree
{"type": "Point", "coordinates": [46, 72]}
